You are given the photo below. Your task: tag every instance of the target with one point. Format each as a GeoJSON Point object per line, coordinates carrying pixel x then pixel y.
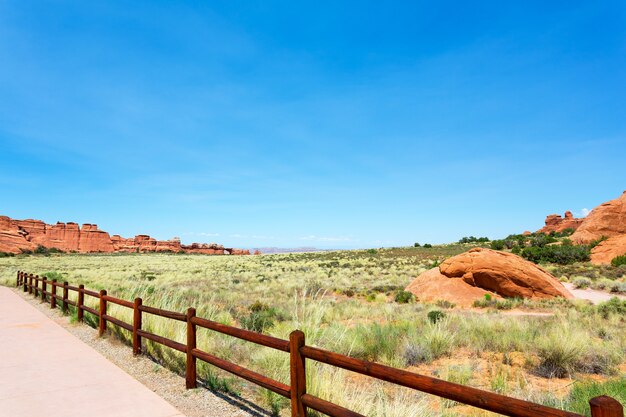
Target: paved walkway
{"type": "Point", "coordinates": [45, 371]}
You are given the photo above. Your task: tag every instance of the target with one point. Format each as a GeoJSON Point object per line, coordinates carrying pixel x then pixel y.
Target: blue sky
{"type": "Point", "coordinates": [328, 124]}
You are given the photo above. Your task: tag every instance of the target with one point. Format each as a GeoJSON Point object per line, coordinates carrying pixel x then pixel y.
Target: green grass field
{"type": "Point", "coordinates": [346, 301]}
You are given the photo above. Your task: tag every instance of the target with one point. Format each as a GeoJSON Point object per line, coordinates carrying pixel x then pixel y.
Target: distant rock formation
{"type": "Point", "coordinates": [608, 219]}
{"type": "Point", "coordinates": [26, 235]}
{"type": "Point", "coordinates": [467, 277]}
{"type": "Point", "coordinates": [556, 223]}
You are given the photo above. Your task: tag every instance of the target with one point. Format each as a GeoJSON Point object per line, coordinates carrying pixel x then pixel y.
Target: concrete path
{"type": "Point", "coordinates": [45, 371]}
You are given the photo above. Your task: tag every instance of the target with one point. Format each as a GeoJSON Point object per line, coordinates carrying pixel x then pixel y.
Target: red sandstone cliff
{"type": "Point", "coordinates": [556, 223]}
{"type": "Point", "coordinates": [26, 235]}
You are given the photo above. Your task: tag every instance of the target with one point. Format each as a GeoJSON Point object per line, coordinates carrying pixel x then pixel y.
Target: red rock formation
{"type": "Point", "coordinates": [12, 239]}
{"type": "Point", "coordinates": [479, 271]}
{"type": "Point", "coordinates": [556, 223]}
{"type": "Point", "coordinates": [432, 286]}
{"type": "Point", "coordinates": [26, 235]}
{"type": "Point", "coordinates": [608, 219]}
{"type": "Point", "coordinates": [604, 253]}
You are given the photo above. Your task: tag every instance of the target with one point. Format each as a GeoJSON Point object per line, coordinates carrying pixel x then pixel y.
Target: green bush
{"type": "Point", "coordinates": [619, 260]}
{"type": "Point", "coordinates": [436, 315]}
{"type": "Point", "coordinates": [542, 240]}
{"type": "Point", "coordinates": [473, 239]}
{"type": "Point", "coordinates": [260, 317]}
{"type": "Point", "coordinates": [417, 245]}
{"type": "Point", "coordinates": [613, 306]}
{"type": "Point", "coordinates": [428, 245]}
{"type": "Point", "coordinates": [497, 244]}
{"type": "Point", "coordinates": [404, 297]}
{"type": "Point", "coordinates": [558, 254]}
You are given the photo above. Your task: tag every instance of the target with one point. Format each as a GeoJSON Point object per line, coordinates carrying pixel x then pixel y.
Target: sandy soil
{"type": "Point", "coordinates": [594, 296]}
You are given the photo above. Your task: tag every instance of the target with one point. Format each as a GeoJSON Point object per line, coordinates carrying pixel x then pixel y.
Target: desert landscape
{"type": "Point", "coordinates": [538, 316]}
{"type": "Point", "coordinates": [307, 209]}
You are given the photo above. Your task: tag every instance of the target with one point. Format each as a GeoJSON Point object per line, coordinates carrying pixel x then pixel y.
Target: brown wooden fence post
{"type": "Point", "coordinates": [298, 373]}
{"type": "Point", "coordinates": [17, 283]}
{"type": "Point", "coordinates": [65, 290]}
{"type": "Point", "coordinates": [190, 374]}
{"type": "Point", "coordinates": [44, 286]}
{"type": "Point", "coordinates": [102, 323]}
{"type": "Point", "coordinates": [136, 326]}
{"type": "Point", "coordinates": [79, 305]}
{"type": "Point", "coordinates": [30, 283]}
{"type": "Point", "coordinates": [53, 297]}
{"type": "Point", "coordinates": [604, 406]}
{"type": "Point", "coordinates": [25, 281]}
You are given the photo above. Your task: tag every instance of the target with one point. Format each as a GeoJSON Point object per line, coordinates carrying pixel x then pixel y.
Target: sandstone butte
{"type": "Point", "coordinates": [467, 277]}
{"type": "Point", "coordinates": [26, 235]}
{"type": "Point", "coordinates": [608, 219]}
{"type": "Point", "coordinates": [556, 223]}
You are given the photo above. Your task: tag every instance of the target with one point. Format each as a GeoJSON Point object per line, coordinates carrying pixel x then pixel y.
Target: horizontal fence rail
{"type": "Point", "coordinates": [299, 352]}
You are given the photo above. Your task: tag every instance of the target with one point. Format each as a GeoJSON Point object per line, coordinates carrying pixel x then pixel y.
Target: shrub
{"type": "Point", "coordinates": [404, 297]}
{"type": "Point", "coordinates": [613, 306]}
{"type": "Point", "coordinates": [6, 254]}
{"type": "Point", "coordinates": [260, 317]}
{"type": "Point", "coordinates": [618, 287]}
{"type": "Point", "coordinates": [558, 254]}
{"type": "Point", "coordinates": [497, 244]}
{"type": "Point", "coordinates": [542, 240]}
{"type": "Point", "coordinates": [581, 282]}
{"type": "Point", "coordinates": [416, 354]}
{"type": "Point", "coordinates": [436, 315]}
{"type": "Point", "coordinates": [417, 245]}
{"type": "Point", "coordinates": [473, 239]}
{"type": "Point", "coordinates": [619, 260]}
{"type": "Point", "coordinates": [428, 245]}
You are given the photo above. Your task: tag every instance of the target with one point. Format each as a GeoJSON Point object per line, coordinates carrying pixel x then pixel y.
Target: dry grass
{"type": "Point", "coordinates": [344, 301]}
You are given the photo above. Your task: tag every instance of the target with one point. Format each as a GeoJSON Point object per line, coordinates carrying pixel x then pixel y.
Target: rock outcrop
{"type": "Point", "coordinates": [604, 253]}
{"type": "Point", "coordinates": [556, 223]}
{"type": "Point", "coordinates": [468, 276]}
{"type": "Point", "coordinates": [608, 219]}
{"type": "Point", "coordinates": [27, 235]}
{"type": "Point", "coordinates": [432, 286]}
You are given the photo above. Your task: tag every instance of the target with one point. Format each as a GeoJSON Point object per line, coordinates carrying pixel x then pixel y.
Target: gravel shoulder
{"type": "Point", "coordinates": [199, 402]}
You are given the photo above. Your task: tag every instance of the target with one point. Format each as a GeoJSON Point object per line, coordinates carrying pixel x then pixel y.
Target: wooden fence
{"type": "Point", "coordinates": [299, 352]}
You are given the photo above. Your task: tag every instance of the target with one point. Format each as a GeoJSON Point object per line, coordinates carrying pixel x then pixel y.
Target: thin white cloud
{"type": "Point", "coordinates": [584, 212]}
{"type": "Point", "coordinates": [313, 238]}
{"type": "Point", "coordinates": [206, 234]}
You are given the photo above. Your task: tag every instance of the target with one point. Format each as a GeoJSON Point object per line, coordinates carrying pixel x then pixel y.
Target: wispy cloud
{"type": "Point", "coordinates": [205, 234]}
{"type": "Point", "coordinates": [584, 212]}
{"type": "Point", "coordinates": [313, 238]}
